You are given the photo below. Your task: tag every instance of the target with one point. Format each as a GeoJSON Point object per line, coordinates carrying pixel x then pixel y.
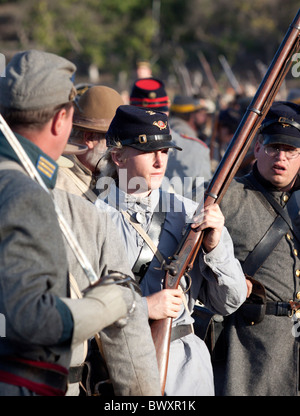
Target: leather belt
{"type": "Point", "coordinates": [278, 308]}
{"type": "Point", "coordinates": [180, 331]}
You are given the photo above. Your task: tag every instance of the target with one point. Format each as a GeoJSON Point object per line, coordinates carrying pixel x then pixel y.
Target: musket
{"type": "Point", "coordinates": [209, 74]}
{"type": "Point", "coordinates": [183, 259]}
{"type": "Point", "coordinates": [184, 78]}
{"type": "Point", "coordinates": [216, 90]}
{"type": "Point", "coordinates": [230, 75]}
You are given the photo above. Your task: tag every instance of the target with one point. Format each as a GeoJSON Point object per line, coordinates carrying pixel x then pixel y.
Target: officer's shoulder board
{"type": "Point", "coordinates": [196, 139]}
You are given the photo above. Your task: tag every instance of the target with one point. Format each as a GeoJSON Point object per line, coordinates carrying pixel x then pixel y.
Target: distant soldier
{"type": "Point", "coordinates": [227, 123]}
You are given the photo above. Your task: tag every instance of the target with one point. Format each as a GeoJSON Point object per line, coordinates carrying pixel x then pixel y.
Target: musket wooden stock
{"type": "Point", "coordinates": [183, 259]}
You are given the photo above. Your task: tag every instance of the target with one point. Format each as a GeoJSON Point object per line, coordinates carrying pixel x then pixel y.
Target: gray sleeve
{"type": "Point", "coordinates": [129, 351]}
{"type": "Point", "coordinates": [130, 355]}
{"type": "Point", "coordinates": [33, 265]}
{"type": "Point", "coordinates": [113, 257]}
{"type": "Point", "coordinates": [226, 286]}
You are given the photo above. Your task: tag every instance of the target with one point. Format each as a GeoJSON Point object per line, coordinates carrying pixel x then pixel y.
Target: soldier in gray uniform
{"type": "Point", "coordinates": [130, 365]}
{"type": "Point", "coordinates": [261, 209]}
{"type": "Point", "coordinates": [139, 140]}
{"type": "Point", "coordinates": [78, 171]}
{"type": "Point", "coordinates": [43, 323]}
{"type": "Point", "coordinates": [130, 361]}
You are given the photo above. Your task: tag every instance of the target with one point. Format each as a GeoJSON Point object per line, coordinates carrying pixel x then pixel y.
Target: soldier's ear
{"type": "Point", "coordinates": [58, 121]}
{"type": "Point", "coordinates": [118, 158]}
{"type": "Point", "coordinates": [257, 147]}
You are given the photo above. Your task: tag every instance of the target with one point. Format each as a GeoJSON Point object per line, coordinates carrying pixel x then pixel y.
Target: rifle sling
{"type": "Point", "coordinates": [264, 248]}
{"type": "Point", "coordinates": [146, 255]}
{"type": "Point", "coordinates": [83, 187]}
{"type": "Point", "coordinates": [277, 207]}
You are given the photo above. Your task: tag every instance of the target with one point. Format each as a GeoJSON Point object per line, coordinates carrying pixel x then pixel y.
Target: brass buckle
{"type": "Point", "coordinates": [284, 121]}
{"type": "Point", "coordinates": [142, 138]}
{"type": "Point", "coordinates": [295, 306]}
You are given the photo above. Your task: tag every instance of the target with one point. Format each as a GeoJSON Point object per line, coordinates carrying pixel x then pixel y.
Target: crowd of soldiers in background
{"type": "Point", "coordinates": [220, 112]}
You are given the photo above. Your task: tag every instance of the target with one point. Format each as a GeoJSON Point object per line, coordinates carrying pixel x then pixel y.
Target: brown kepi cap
{"type": "Point", "coordinates": [96, 108]}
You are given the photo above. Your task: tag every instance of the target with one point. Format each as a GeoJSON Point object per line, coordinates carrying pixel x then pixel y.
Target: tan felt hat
{"type": "Point", "coordinates": [96, 108]}
{"type": "Point", "coordinates": [73, 148]}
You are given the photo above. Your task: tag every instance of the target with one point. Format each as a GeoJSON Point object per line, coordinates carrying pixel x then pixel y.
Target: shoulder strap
{"type": "Point", "coordinates": [264, 248]}
{"type": "Point", "coordinates": [277, 207]}
{"type": "Point", "coordinates": [144, 235]}
{"type": "Point", "coordinates": [81, 185]}
{"type": "Point", "coordinates": [149, 250]}
{"type": "Point", "coordinates": [274, 234]}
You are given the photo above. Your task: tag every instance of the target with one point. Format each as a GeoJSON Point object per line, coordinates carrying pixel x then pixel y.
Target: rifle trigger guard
{"type": "Point", "coordinates": [190, 282]}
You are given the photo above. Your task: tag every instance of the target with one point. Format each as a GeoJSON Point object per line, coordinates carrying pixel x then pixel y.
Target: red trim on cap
{"type": "Point", "coordinates": [151, 100]}
{"type": "Point", "coordinates": [150, 103]}
{"type": "Point", "coordinates": [148, 84]}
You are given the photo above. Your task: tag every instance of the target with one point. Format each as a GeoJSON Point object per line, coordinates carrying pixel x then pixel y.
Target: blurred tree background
{"type": "Point", "coordinates": [106, 38]}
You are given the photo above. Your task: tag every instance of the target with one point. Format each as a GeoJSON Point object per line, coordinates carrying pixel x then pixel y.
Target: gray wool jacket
{"type": "Point", "coordinates": [34, 276]}
{"type": "Point", "coordinates": [33, 273]}
{"type": "Point", "coordinates": [261, 359]}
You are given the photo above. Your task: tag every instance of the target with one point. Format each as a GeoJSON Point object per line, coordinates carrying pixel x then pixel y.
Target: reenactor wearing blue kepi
{"type": "Point", "coordinates": [260, 354]}
{"type": "Point", "coordinates": [151, 222]}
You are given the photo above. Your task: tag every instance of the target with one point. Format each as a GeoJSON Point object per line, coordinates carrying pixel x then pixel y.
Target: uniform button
{"type": "Point", "coordinates": [140, 218]}
{"type": "Point", "coordinates": [297, 272]}
{"type": "Point", "coordinates": [298, 295]}
{"type": "Point", "coordinates": [288, 236]}
{"type": "Point", "coordinates": [285, 198]}
{"type": "Point", "coordinates": [295, 252]}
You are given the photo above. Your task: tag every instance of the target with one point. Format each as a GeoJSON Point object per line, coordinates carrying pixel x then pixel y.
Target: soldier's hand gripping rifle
{"type": "Point", "coordinates": [182, 261]}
